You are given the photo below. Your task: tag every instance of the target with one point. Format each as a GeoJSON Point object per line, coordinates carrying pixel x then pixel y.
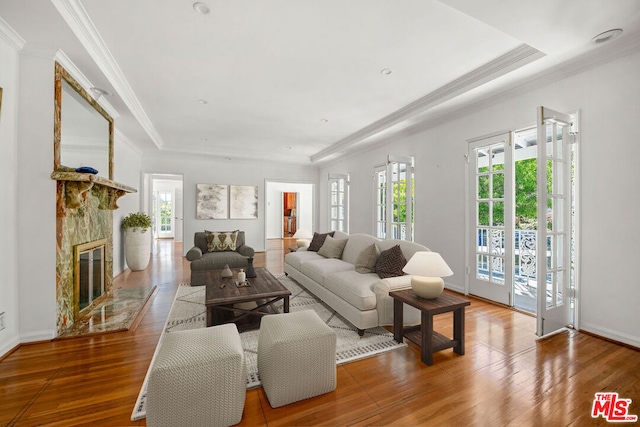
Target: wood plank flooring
{"type": "Point", "coordinates": [506, 377]}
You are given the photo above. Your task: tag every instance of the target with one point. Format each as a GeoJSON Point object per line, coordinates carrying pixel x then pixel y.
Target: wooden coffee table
{"type": "Point", "coordinates": [423, 335]}
{"type": "Point", "coordinates": [223, 295]}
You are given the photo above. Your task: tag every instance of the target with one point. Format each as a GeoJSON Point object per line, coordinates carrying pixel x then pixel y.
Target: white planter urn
{"type": "Point", "coordinates": [137, 248]}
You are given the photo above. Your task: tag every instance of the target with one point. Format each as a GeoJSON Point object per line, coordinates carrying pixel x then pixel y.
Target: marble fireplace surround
{"type": "Point", "coordinates": [84, 207]}
{"type": "Point", "coordinates": [88, 217]}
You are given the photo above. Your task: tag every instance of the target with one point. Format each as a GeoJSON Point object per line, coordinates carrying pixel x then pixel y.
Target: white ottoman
{"type": "Point", "coordinates": [199, 378]}
{"type": "Point", "coordinates": [296, 357]}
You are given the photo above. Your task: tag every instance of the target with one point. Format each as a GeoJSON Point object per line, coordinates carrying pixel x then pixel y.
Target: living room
{"type": "Point", "coordinates": [599, 81]}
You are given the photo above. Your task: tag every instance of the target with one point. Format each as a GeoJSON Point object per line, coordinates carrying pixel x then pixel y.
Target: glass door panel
{"type": "Point", "coordinates": [491, 253]}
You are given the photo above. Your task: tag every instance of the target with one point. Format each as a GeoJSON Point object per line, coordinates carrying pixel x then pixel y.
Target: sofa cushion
{"type": "Point", "coordinates": [366, 261]}
{"type": "Point", "coordinates": [390, 262]}
{"type": "Point", "coordinates": [318, 241]}
{"type": "Point", "coordinates": [332, 248]}
{"type": "Point", "coordinates": [353, 287]}
{"type": "Point", "coordinates": [221, 241]}
{"type": "Point", "coordinates": [356, 244]}
{"type": "Point", "coordinates": [296, 259]}
{"type": "Point", "coordinates": [408, 248]}
{"type": "Point", "coordinates": [319, 269]}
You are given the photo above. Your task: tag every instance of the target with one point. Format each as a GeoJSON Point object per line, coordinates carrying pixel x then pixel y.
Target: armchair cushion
{"type": "Point", "coordinates": [221, 241]}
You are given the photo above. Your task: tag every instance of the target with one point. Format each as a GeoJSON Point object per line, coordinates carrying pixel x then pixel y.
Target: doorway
{"type": "Point", "coordinates": [164, 203]}
{"type": "Point", "coordinates": [275, 209]}
{"type": "Point", "coordinates": [289, 209]}
{"type": "Point", "coordinates": [522, 205]}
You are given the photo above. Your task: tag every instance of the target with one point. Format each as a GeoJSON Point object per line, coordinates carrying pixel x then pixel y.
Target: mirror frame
{"type": "Point", "coordinates": [60, 74]}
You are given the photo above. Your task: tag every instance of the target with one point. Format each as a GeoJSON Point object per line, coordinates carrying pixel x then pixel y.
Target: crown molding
{"type": "Point", "coordinates": [186, 153]}
{"type": "Point", "coordinates": [514, 59]}
{"type": "Point", "coordinates": [83, 81]}
{"type": "Point", "coordinates": [77, 18]}
{"type": "Point", "coordinates": [569, 68]}
{"type": "Point", "coordinates": [10, 36]}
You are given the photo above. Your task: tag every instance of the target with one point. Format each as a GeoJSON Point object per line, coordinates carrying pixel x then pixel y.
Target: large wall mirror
{"type": "Point", "coordinates": [83, 130]}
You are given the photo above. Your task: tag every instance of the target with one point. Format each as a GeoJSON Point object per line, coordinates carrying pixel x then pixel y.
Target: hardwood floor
{"type": "Point", "coordinates": [506, 377]}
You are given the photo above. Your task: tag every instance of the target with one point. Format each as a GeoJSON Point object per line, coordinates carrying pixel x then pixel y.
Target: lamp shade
{"type": "Point", "coordinates": [302, 237]}
{"type": "Point", "coordinates": [302, 233]}
{"type": "Point", "coordinates": [427, 264]}
{"type": "Point", "coordinates": [428, 269]}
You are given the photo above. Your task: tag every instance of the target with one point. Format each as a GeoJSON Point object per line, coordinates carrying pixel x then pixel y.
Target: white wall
{"type": "Point", "coordinates": [9, 82]}
{"type": "Point", "coordinates": [126, 170]}
{"type": "Point", "coordinates": [36, 223]}
{"type": "Point", "coordinates": [199, 170]}
{"type": "Point", "coordinates": [609, 99]}
{"type": "Point", "coordinates": [274, 207]}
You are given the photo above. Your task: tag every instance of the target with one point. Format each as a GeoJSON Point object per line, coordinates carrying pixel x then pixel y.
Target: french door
{"type": "Point", "coordinates": [522, 218]}
{"type": "Point", "coordinates": [556, 275]}
{"type": "Point", "coordinates": [164, 213]}
{"type": "Point", "coordinates": [491, 217]}
{"type": "Point", "coordinates": [394, 191]}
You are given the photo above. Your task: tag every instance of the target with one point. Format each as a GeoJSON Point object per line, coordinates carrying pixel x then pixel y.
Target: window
{"type": "Point", "coordinates": [394, 194]}
{"type": "Point", "coordinates": [339, 202]}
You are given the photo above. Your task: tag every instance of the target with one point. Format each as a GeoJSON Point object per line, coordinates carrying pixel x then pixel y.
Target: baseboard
{"type": "Point", "coordinates": [9, 348]}
{"type": "Point", "coordinates": [610, 334]}
{"type": "Point", "coordinates": [455, 288]}
{"type": "Point", "coordinates": [37, 336]}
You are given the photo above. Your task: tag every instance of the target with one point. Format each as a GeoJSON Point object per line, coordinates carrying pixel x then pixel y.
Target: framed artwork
{"type": "Point", "coordinates": [212, 201]}
{"type": "Point", "coordinates": [243, 202]}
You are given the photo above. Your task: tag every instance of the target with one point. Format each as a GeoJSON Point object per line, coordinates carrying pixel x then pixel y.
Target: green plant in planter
{"type": "Point", "coordinates": [136, 220]}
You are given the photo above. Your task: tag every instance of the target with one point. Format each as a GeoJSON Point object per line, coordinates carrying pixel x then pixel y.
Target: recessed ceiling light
{"type": "Point", "coordinates": [607, 36]}
{"type": "Point", "coordinates": [100, 92]}
{"type": "Point", "coordinates": [386, 71]}
{"type": "Point", "coordinates": [202, 101]}
{"type": "Point", "coordinates": [201, 8]}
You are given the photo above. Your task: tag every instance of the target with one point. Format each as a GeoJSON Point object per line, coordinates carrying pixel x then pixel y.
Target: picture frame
{"type": "Point", "coordinates": [243, 202]}
{"type": "Point", "coordinates": [212, 201]}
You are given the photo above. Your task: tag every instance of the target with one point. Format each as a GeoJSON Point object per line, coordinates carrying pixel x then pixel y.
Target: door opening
{"type": "Point", "coordinates": [290, 211]}
{"type": "Point", "coordinates": [522, 222]}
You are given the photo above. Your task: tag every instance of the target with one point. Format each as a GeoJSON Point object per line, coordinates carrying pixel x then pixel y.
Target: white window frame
{"type": "Point", "coordinates": [335, 222]}
{"type": "Point", "coordinates": [384, 224]}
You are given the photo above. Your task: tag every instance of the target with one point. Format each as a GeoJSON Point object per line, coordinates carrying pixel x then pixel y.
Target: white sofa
{"type": "Point", "coordinates": [362, 299]}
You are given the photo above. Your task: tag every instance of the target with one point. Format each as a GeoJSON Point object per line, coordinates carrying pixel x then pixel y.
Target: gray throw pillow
{"type": "Point", "coordinates": [366, 261]}
{"type": "Point", "coordinates": [332, 248]}
{"type": "Point", "coordinates": [318, 241]}
{"type": "Point", "coordinates": [390, 263]}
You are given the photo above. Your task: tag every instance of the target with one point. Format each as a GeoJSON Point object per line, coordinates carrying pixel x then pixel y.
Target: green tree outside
{"type": "Point", "coordinates": [526, 196]}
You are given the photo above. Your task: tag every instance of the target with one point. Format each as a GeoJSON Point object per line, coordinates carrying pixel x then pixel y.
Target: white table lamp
{"type": "Point", "coordinates": [428, 269]}
{"type": "Point", "coordinates": [303, 237]}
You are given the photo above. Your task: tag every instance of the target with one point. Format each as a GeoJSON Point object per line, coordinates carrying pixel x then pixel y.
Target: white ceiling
{"type": "Point", "coordinates": [272, 71]}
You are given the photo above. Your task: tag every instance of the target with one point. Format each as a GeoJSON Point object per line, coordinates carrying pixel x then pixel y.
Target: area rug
{"type": "Point", "coordinates": [188, 312]}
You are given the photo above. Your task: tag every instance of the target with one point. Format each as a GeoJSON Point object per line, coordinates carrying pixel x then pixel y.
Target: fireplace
{"type": "Point", "coordinates": [89, 275]}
